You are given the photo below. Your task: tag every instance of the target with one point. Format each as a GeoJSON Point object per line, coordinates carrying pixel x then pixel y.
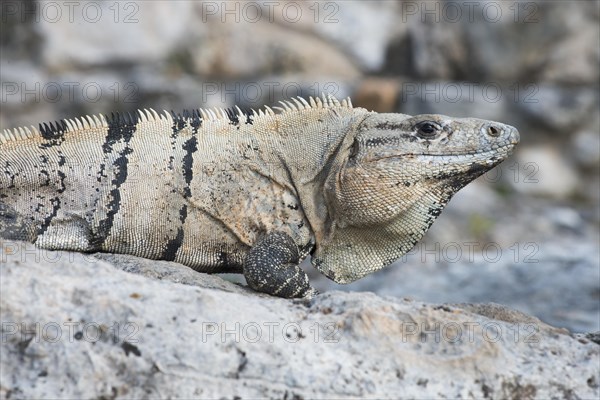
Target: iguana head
{"type": "Point", "coordinates": [397, 175]}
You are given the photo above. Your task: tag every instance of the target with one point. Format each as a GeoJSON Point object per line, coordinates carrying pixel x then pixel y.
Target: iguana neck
{"type": "Point", "coordinates": [310, 158]}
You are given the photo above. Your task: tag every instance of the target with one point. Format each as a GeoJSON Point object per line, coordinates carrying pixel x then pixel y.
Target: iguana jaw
{"type": "Point", "coordinates": [496, 155]}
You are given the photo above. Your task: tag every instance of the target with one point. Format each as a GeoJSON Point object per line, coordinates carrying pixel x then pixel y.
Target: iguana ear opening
{"type": "Point", "coordinates": [351, 252]}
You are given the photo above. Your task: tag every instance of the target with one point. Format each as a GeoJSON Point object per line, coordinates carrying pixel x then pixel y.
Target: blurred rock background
{"type": "Point", "coordinates": [525, 235]}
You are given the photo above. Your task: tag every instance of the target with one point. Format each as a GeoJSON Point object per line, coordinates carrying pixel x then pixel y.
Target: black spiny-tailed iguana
{"type": "Point", "coordinates": [251, 192]}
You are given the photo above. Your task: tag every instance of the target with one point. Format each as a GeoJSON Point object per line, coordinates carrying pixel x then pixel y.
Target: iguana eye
{"type": "Point", "coordinates": [427, 129]}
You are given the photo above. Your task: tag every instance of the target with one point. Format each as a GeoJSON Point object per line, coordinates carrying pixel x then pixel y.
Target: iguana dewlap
{"type": "Point", "coordinates": [250, 192]}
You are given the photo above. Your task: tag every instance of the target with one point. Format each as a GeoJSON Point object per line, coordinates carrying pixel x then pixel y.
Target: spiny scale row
{"type": "Point", "coordinates": [149, 115]}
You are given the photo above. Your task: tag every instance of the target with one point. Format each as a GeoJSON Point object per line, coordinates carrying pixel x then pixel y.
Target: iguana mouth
{"type": "Point", "coordinates": [506, 149]}
{"type": "Point", "coordinates": [452, 157]}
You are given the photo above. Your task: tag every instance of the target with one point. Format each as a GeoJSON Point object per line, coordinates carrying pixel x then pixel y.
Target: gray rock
{"type": "Point", "coordinates": [564, 217]}
{"type": "Point", "coordinates": [250, 50]}
{"type": "Point", "coordinates": [362, 29]}
{"type": "Point", "coordinates": [557, 108]}
{"type": "Point", "coordinates": [74, 326]}
{"type": "Point", "coordinates": [460, 99]}
{"type": "Point", "coordinates": [98, 34]}
{"type": "Point", "coordinates": [501, 41]}
{"type": "Point", "coordinates": [25, 93]}
{"type": "Point", "coordinates": [574, 58]}
{"type": "Point", "coordinates": [168, 271]}
{"type": "Point", "coordinates": [586, 148]}
{"type": "Point", "coordinates": [543, 171]}
{"type": "Point", "coordinates": [274, 88]}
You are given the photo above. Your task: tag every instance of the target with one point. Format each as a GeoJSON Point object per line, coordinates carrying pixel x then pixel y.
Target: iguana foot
{"type": "Point", "coordinates": [272, 267]}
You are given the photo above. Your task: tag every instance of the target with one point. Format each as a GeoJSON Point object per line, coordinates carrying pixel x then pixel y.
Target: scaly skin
{"type": "Point", "coordinates": [227, 191]}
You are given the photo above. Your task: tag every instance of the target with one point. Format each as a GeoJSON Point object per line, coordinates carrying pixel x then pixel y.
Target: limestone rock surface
{"type": "Point", "coordinates": [77, 326]}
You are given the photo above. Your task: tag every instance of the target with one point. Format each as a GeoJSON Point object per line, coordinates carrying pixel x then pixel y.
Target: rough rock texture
{"type": "Point", "coordinates": [105, 333]}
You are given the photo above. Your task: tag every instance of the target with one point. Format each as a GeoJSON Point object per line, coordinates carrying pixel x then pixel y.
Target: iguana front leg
{"type": "Point", "coordinates": [272, 267]}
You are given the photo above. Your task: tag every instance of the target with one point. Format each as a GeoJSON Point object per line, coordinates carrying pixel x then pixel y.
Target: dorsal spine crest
{"type": "Point", "coordinates": [194, 118]}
